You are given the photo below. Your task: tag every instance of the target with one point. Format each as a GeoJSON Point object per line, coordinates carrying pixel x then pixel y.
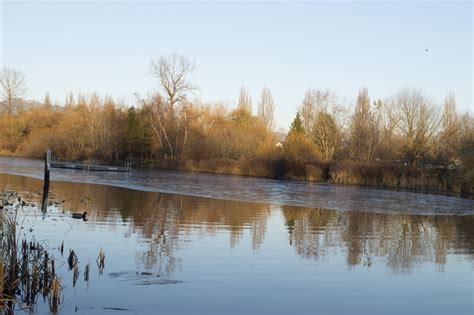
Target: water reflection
{"type": "Point", "coordinates": [402, 240]}
{"type": "Point", "coordinates": [165, 223]}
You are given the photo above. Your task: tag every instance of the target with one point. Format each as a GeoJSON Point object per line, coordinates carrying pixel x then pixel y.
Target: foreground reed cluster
{"type": "Point", "coordinates": [27, 271]}
{"type": "Point", "coordinates": [27, 268]}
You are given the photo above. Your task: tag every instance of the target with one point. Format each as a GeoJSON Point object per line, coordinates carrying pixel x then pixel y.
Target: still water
{"type": "Point", "coordinates": [179, 243]}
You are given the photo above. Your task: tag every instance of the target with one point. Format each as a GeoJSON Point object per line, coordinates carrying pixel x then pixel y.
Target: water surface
{"type": "Point", "coordinates": [188, 254]}
{"type": "Point", "coordinates": [277, 192]}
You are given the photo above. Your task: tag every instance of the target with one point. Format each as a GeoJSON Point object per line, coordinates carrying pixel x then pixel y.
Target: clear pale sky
{"type": "Point", "coordinates": [289, 47]}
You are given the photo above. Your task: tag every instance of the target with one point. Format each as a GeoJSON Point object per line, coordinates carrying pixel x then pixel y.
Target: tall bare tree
{"type": "Point", "coordinates": [307, 112]}
{"type": "Point", "coordinates": [245, 101]}
{"type": "Point", "coordinates": [385, 114]}
{"type": "Point", "coordinates": [13, 86]}
{"type": "Point", "coordinates": [69, 100]}
{"type": "Point", "coordinates": [364, 129]}
{"type": "Point", "coordinates": [321, 100]}
{"type": "Point", "coordinates": [326, 135]}
{"type": "Point", "coordinates": [418, 122]}
{"type": "Point", "coordinates": [450, 130]}
{"type": "Point", "coordinates": [172, 72]}
{"type": "Point", "coordinates": [47, 101]}
{"type": "Point", "coordinates": [163, 123]}
{"type": "Point", "coordinates": [266, 109]}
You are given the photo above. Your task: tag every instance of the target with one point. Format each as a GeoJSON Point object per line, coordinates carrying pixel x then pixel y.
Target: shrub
{"type": "Point", "coordinates": [279, 168]}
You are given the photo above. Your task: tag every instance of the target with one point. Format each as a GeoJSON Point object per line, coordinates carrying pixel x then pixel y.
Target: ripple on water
{"type": "Point", "coordinates": [292, 193]}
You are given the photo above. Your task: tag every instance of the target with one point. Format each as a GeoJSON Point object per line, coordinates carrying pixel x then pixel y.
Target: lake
{"type": "Point", "coordinates": [187, 243]}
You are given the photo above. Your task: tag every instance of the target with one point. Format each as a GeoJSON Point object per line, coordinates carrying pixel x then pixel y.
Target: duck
{"type": "Point", "coordinates": [80, 216]}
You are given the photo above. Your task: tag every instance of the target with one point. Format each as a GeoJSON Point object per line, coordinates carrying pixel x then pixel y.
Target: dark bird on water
{"type": "Point", "coordinates": [426, 49]}
{"type": "Point", "coordinates": [80, 216]}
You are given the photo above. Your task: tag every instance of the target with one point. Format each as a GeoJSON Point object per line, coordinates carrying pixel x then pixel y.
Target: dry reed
{"type": "Point", "coordinates": [25, 267]}
{"type": "Point", "coordinates": [101, 261]}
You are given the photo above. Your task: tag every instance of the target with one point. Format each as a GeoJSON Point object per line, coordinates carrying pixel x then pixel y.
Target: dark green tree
{"type": "Point", "coordinates": [137, 134]}
{"type": "Point", "coordinates": [296, 126]}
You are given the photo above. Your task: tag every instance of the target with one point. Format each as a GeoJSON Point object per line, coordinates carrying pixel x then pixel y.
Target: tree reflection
{"type": "Point", "coordinates": [165, 222]}
{"type": "Point", "coordinates": [401, 240]}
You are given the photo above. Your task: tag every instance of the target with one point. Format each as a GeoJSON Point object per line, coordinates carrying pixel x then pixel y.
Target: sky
{"type": "Point", "coordinates": [289, 47]}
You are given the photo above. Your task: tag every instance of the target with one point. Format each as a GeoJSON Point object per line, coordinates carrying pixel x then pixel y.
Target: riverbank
{"type": "Point", "coordinates": [458, 182]}
{"type": "Point", "coordinates": [238, 188]}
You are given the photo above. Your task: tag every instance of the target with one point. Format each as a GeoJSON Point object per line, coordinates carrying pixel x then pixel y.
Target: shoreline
{"type": "Point", "coordinates": [179, 167]}
{"type": "Point", "coordinates": [322, 198]}
{"type": "Point", "coordinates": [158, 165]}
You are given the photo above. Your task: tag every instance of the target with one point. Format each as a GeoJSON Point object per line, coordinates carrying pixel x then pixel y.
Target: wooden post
{"type": "Point", "coordinates": [47, 165]}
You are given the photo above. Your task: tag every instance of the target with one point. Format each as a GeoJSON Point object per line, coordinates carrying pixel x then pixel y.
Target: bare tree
{"type": "Point", "coordinates": [364, 129]}
{"type": "Point", "coordinates": [245, 101]}
{"type": "Point", "coordinates": [326, 135]}
{"type": "Point", "coordinates": [449, 118]}
{"type": "Point", "coordinates": [69, 100]}
{"type": "Point", "coordinates": [307, 112]}
{"type": "Point", "coordinates": [47, 101]}
{"type": "Point", "coordinates": [322, 100]}
{"type": "Point", "coordinates": [385, 115]}
{"type": "Point", "coordinates": [449, 145]}
{"type": "Point", "coordinates": [327, 101]}
{"type": "Point", "coordinates": [323, 120]}
{"type": "Point", "coordinates": [90, 108]}
{"type": "Point", "coordinates": [162, 121]}
{"type": "Point", "coordinates": [172, 73]}
{"type": "Point", "coordinates": [13, 86]}
{"type": "Point", "coordinates": [266, 109]}
{"type": "Point", "coordinates": [418, 122]}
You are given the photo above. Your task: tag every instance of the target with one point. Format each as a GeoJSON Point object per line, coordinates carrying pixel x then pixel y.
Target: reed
{"type": "Point", "coordinates": [75, 275]}
{"type": "Point", "coordinates": [55, 295]}
{"type": "Point", "coordinates": [26, 269]}
{"type": "Point", "coordinates": [101, 261]}
{"type": "Point", "coordinates": [72, 260]}
{"type": "Point", "coordinates": [86, 273]}
{"type": "Point", "coordinates": [55, 291]}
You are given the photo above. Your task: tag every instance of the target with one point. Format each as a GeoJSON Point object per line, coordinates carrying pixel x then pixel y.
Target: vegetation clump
{"type": "Point", "coordinates": [27, 271]}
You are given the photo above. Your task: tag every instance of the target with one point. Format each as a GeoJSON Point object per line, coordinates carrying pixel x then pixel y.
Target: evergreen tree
{"type": "Point", "coordinates": [297, 125]}
{"type": "Point", "coordinates": [137, 137]}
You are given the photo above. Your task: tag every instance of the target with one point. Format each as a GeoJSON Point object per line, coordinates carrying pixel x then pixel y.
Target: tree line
{"type": "Point", "coordinates": [402, 141]}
